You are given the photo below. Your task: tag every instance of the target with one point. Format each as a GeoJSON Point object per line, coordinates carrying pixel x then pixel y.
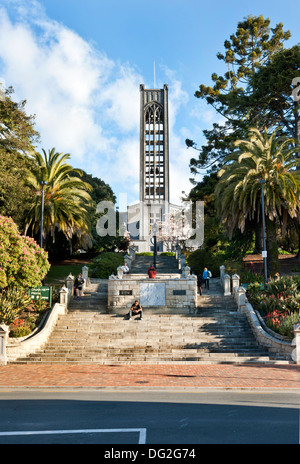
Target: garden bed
{"type": "Point", "coordinates": [29, 320]}
{"type": "Point", "coordinates": [21, 314]}
{"type": "Point", "coordinates": [278, 304]}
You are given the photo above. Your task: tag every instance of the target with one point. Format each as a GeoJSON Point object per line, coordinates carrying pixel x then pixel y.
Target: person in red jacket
{"type": "Point", "coordinates": [152, 272]}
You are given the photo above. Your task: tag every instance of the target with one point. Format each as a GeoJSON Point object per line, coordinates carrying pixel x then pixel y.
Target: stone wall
{"type": "Point", "coordinates": [161, 295]}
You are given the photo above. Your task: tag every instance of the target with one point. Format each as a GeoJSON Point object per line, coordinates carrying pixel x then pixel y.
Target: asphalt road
{"type": "Point", "coordinates": [151, 418]}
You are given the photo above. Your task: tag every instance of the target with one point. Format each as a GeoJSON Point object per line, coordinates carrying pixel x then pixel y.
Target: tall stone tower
{"type": "Point", "coordinates": [154, 145]}
{"type": "Point", "coordinates": [154, 169]}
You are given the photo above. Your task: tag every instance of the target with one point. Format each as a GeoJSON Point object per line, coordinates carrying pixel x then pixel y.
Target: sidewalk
{"type": "Point", "coordinates": [214, 376]}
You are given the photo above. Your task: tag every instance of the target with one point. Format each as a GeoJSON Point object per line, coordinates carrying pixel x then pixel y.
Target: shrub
{"type": "Point", "coordinates": [284, 286]}
{"type": "Point", "coordinates": [282, 323]}
{"type": "Point", "coordinates": [12, 303]}
{"type": "Point", "coordinates": [22, 262]}
{"type": "Point", "coordinates": [200, 259]}
{"type": "Point", "coordinates": [255, 293]}
{"type": "Point", "coordinates": [251, 277]}
{"type": "Point", "coordinates": [106, 264]}
{"type": "Point", "coordinates": [20, 328]}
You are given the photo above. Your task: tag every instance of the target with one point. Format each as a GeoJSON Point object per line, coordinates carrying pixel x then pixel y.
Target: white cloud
{"type": "Point", "coordinates": [85, 103]}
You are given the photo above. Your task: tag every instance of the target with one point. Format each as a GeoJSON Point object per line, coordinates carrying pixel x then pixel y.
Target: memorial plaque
{"type": "Point", "coordinates": [153, 294]}
{"type": "Point", "coordinates": [125, 292]}
{"type": "Point", "coordinates": [179, 292]}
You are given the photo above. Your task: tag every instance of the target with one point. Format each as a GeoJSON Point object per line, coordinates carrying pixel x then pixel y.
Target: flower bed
{"type": "Point", "coordinates": [20, 313]}
{"type": "Point", "coordinates": [29, 319]}
{"type": "Point", "coordinates": [278, 304]}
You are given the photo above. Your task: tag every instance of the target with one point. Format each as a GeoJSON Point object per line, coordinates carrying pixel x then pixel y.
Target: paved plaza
{"type": "Point", "coordinates": [217, 376]}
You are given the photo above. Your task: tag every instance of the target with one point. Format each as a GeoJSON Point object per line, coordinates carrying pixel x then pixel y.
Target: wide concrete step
{"type": "Point", "coordinates": [156, 360]}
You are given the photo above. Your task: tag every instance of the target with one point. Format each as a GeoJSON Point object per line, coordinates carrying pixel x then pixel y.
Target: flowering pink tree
{"type": "Point", "coordinates": [22, 262]}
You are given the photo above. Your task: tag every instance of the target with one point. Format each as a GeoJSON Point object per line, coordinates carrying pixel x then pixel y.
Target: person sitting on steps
{"type": "Point", "coordinates": [135, 309]}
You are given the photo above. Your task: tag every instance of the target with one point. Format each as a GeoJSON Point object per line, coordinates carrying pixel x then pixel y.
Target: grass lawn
{"type": "Point", "coordinates": [58, 274]}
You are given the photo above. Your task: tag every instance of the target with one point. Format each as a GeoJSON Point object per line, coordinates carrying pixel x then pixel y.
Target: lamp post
{"type": "Point", "coordinates": [265, 253]}
{"type": "Point", "coordinates": [42, 183]}
{"type": "Point", "coordinates": [154, 231]}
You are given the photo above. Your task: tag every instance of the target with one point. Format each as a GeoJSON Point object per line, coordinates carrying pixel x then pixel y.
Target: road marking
{"type": "Point", "coordinates": [142, 432]}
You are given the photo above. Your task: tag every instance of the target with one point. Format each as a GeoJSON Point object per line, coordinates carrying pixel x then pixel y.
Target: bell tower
{"type": "Point", "coordinates": [154, 199]}
{"type": "Point", "coordinates": [154, 145]}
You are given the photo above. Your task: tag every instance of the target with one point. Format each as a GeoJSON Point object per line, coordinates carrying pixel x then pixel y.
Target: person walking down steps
{"type": "Point", "coordinates": [206, 276]}
{"type": "Point", "coordinates": [78, 285]}
{"type": "Point", "coordinates": [200, 282]}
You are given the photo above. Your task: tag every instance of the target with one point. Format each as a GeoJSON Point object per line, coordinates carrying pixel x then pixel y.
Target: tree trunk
{"type": "Point", "coordinates": [258, 238]}
{"type": "Point", "coordinates": [272, 248]}
{"type": "Point", "coordinates": [297, 228]}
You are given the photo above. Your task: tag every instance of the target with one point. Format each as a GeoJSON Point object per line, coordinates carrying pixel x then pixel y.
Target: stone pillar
{"type": "Point", "coordinates": [222, 273]}
{"type": "Point", "coordinates": [235, 282]}
{"type": "Point", "coordinates": [64, 296]}
{"type": "Point", "coordinates": [227, 285]}
{"type": "Point", "coordinates": [132, 253]}
{"type": "Point", "coordinates": [241, 297]}
{"type": "Point", "coordinates": [296, 343]}
{"type": "Point", "coordinates": [4, 330]}
{"type": "Point", "coordinates": [70, 285]}
{"type": "Point", "coordinates": [120, 272]}
{"type": "Point", "coordinates": [186, 272]}
{"type": "Point", "coordinates": [182, 262]}
{"type": "Point", "coordinates": [85, 276]}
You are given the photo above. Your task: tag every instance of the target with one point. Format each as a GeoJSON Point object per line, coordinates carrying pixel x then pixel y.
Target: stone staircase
{"type": "Point", "coordinates": [214, 333]}
{"type": "Point", "coordinates": [164, 264]}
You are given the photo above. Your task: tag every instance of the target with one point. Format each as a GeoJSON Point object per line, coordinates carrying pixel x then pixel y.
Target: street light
{"type": "Point", "coordinates": [154, 232]}
{"type": "Point", "coordinates": [42, 183]}
{"type": "Point", "coordinates": [265, 253]}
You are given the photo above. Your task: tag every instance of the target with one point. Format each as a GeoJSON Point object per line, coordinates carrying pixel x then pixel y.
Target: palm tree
{"type": "Point", "coordinates": [238, 193]}
{"type": "Point", "coordinates": [66, 196]}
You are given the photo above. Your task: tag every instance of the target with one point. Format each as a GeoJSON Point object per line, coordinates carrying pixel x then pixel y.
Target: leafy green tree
{"type": "Point", "coordinates": [17, 138]}
{"type": "Point", "coordinates": [238, 193]}
{"type": "Point", "coordinates": [272, 103]}
{"type": "Point", "coordinates": [67, 198]}
{"type": "Point", "coordinates": [15, 196]}
{"type": "Point", "coordinates": [246, 52]}
{"type": "Point", "coordinates": [22, 262]}
{"type": "Point", "coordinates": [17, 133]}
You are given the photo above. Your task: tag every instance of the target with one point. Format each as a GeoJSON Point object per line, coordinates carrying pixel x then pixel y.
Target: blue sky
{"type": "Point", "coordinates": [79, 64]}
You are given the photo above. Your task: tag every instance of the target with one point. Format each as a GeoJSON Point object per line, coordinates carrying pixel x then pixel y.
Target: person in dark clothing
{"type": "Point", "coordinates": [135, 309]}
{"type": "Point", "coordinates": [78, 285]}
{"type": "Point", "coordinates": [200, 282]}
